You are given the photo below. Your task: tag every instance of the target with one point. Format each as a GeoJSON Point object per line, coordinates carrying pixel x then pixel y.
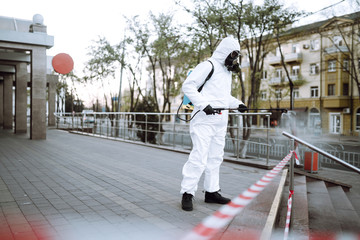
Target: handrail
{"type": "Point", "coordinates": [338, 160]}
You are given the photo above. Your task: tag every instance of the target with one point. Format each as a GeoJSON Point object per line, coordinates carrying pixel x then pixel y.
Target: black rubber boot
{"type": "Point", "coordinates": [215, 197]}
{"type": "Point", "coordinates": [186, 202]}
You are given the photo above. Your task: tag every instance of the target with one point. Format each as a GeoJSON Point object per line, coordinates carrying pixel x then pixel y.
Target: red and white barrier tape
{"type": "Point", "coordinates": [288, 215]}
{"type": "Point", "coordinates": [212, 224]}
{"type": "Point", "coordinates": [289, 205]}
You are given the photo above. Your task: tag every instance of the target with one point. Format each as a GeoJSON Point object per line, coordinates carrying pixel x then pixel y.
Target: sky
{"type": "Point", "coordinates": [76, 24]}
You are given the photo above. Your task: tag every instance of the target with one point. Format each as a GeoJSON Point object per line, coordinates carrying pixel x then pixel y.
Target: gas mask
{"type": "Point", "coordinates": [232, 62]}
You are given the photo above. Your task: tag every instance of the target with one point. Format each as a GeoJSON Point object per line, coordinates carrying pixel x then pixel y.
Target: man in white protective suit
{"type": "Point", "coordinates": [207, 128]}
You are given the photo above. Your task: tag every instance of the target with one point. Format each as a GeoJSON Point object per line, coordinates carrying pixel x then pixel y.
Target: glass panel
{"type": "Point", "coordinates": [345, 89]}
{"type": "Point", "coordinates": [331, 89]}
{"type": "Point", "coordinates": [314, 91]}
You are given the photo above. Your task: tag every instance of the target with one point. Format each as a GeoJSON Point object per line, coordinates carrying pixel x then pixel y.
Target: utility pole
{"type": "Point", "coordinates": [121, 74]}
{"type": "Point", "coordinates": [119, 97]}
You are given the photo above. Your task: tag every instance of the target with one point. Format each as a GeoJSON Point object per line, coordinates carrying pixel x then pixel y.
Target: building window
{"type": "Point", "coordinates": [278, 94]}
{"type": "Point", "coordinates": [335, 122]}
{"type": "Point", "coordinates": [332, 66]}
{"type": "Point", "coordinates": [346, 65]}
{"type": "Point", "coordinates": [314, 44]}
{"type": "Point", "coordinates": [296, 93]}
{"type": "Point", "coordinates": [331, 89]}
{"type": "Point", "coordinates": [314, 91]}
{"type": "Point", "coordinates": [295, 70]}
{"type": "Point", "coordinates": [345, 89]}
{"type": "Point", "coordinates": [264, 74]}
{"type": "Point", "coordinates": [263, 95]}
{"type": "Point", "coordinates": [314, 119]}
{"type": "Point", "coordinates": [314, 68]}
{"type": "Point", "coordinates": [358, 119]}
{"type": "Point", "coordinates": [278, 73]}
{"type": "Point", "coordinates": [295, 48]}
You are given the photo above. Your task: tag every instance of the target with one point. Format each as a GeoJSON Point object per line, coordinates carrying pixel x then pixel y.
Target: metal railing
{"type": "Point", "coordinates": [326, 154]}
{"type": "Point", "coordinates": [265, 143]}
{"type": "Point", "coordinates": [164, 129]}
{"type": "Point", "coordinates": [291, 168]}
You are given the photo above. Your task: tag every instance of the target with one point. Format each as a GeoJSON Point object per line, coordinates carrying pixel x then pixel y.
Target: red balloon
{"type": "Point", "coordinates": [62, 63]}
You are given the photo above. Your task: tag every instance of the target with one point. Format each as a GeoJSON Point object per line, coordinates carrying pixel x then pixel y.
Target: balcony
{"type": "Point", "coordinates": [275, 81]}
{"type": "Point", "coordinates": [291, 57]}
{"type": "Point", "coordinates": [336, 49]}
{"type": "Point", "coordinates": [274, 61]}
{"type": "Point", "coordinates": [292, 77]}
{"type": "Point", "coordinates": [296, 79]}
{"type": "Point", "coordinates": [336, 102]}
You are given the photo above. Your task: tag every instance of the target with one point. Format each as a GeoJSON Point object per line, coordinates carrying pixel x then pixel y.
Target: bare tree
{"type": "Point", "coordinates": [281, 22]}
{"type": "Point", "coordinates": [167, 47]}
{"type": "Point", "coordinates": [259, 25]}
{"type": "Point", "coordinates": [207, 30]}
{"type": "Point", "coordinates": [101, 67]}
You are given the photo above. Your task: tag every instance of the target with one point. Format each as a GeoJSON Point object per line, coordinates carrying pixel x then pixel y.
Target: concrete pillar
{"type": "Point", "coordinates": [38, 93]}
{"type": "Point", "coordinates": [1, 102]}
{"type": "Point", "coordinates": [52, 79]}
{"type": "Point", "coordinates": [21, 98]}
{"type": "Point", "coordinates": [8, 101]}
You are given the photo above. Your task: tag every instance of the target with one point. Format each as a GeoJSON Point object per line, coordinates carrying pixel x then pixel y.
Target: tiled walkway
{"type": "Point", "coordinates": [77, 187]}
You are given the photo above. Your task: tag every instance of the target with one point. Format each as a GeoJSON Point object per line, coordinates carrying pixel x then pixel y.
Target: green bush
{"type": "Point", "coordinates": [150, 130]}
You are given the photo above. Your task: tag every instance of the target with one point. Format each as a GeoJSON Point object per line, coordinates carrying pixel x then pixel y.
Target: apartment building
{"type": "Point", "coordinates": [323, 62]}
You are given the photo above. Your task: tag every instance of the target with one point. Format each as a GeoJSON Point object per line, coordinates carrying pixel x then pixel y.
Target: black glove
{"type": "Point", "coordinates": [242, 108]}
{"type": "Point", "coordinates": [209, 110]}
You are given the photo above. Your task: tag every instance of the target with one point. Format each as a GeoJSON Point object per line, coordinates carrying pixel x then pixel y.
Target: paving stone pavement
{"type": "Point", "coordinates": [77, 187]}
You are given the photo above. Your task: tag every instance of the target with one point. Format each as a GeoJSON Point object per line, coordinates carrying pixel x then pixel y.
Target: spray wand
{"type": "Point", "coordinates": [218, 110]}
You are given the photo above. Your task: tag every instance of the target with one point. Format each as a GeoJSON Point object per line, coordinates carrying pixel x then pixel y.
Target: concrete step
{"type": "Point", "coordinates": [322, 216]}
{"type": "Point", "coordinates": [250, 222]}
{"type": "Point", "coordinates": [354, 198]}
{"type": "Point", "coordinates": [346, 214]}
{"type": "Point", "coordinates": [280, 225]}
{"type": "Point", "coordinates": [299, 223]}
{"type": "Point", "coordinates": [322, 176]}
{"type": "Point", "coordinates": [320, 208]}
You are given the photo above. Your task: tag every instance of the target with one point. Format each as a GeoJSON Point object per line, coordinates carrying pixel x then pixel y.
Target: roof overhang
{"type": "Point", "coordinates": [337, 19]}
{"type": "Point", "coordinates": [39, 39]}
{"type": "Point", "coordinates": [7, 68]}
{"type": "Point", "coordinates": [14, 56]}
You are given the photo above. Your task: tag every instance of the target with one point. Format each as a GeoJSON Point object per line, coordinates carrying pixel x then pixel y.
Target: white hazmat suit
{"type": "Point", "coordinates": [208, 131]}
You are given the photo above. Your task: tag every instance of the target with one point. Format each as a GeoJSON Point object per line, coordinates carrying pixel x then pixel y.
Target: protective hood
{"type": "Point", "coordinates": [226, 46]}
